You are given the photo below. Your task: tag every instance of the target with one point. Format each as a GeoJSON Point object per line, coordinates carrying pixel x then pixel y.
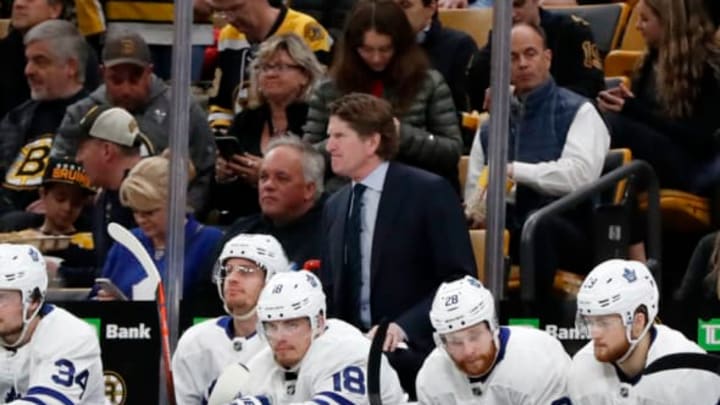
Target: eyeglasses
{"type": "Point", "coordinates": [277, 67]}
{"type": "Point", "coordinates": [238, 268]}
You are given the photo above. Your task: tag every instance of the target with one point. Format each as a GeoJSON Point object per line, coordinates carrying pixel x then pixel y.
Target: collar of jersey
{"type": "Point", "coordinates": [634, 380]}
{"type": "Point", "coordinates": [228, 326]}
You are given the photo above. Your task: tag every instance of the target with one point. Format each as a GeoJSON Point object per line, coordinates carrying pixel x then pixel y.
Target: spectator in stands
{"type": "Point", "coordinates": [379, 55]}
{"type": "Point", "coordinates": [700, 282]}
{"type": "Point", "coordinates": [26, 14]}
{"type": "Point", "coordinates": [669, 114]}
{"type": "Point", "coordinates": [65, 191]}
{"type": "Point", "coordinates": [108, 147]}
{"type": "Point", "coordinates": [391, 237]}
{"type": "Point", "coordinates": [250, 23]}
{"type": "Point", "coordinates": [451, 52]}
{"type": "Point", "coordinates": [465, 3]}
{"type": "Point", "coordinates": [56, 54]}
{"type": "Point", "coordinates": [576, 61]}
{"type": "Point", "coordinates": [145, 192]}
{"type": "Point", "coordinates": [282, 77]}
{"type": "Point", "coordinates": [291, 199]}
{"type": "Point", "coordinates": [131, 84]}
{"type": "Point", "coordinates": [557, 144]}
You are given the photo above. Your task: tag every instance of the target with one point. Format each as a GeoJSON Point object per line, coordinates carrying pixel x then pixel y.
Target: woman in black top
{"type": "Point", "coordinates": [282, 75]}
{"type": "Point", "coordinates": [669, 116]}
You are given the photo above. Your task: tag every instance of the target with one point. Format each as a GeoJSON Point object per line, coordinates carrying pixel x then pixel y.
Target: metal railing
{"type": "Point", "coordinates": [638, 168]}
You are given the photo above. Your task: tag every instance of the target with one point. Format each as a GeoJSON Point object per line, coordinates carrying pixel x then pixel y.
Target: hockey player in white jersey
{"type": "Point", "coordinates": [310, 359]}
{"type": "Point", "coordinates": [617, 306]}
{"type": "Point", "coordinates": [478, 362]}
{"type": "Point", "coordinates": [246, 263]}
{"type": "Point", "coordinates": [48, 356]}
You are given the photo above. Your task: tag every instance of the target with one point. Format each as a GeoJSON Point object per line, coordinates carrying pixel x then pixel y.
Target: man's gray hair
{"type": "Point", "coordinates": [313, 162]}
{"type": "Point", "coordinates": [64, 40]}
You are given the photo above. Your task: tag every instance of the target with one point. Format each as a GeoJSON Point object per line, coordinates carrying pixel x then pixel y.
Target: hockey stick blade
{"type": "Point", "coordinates": [145, 290]}
{"type": "Point", "coordinates": [375, 363]}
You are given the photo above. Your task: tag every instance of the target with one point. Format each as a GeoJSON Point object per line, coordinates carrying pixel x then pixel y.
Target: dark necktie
{"type": "Point", "coordinates": [353, 257]}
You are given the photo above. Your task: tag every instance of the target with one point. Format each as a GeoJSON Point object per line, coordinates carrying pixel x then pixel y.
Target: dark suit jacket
{"type": "Point", "coordinates": [420, 240]}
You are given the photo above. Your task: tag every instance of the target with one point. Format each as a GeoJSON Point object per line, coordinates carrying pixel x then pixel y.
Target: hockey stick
{"type": "Point", "coordinates": [375, 363]}
{"type": "Point", "coordinates": [153, 280]}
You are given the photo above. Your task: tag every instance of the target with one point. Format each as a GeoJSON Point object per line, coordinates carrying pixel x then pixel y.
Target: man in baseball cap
{"type": "Point", "coordinates": [126, 48]}
{"type": "Point", "coordinates": [109, 146]}
{"type": "Point", "coordinates": [129, 83]}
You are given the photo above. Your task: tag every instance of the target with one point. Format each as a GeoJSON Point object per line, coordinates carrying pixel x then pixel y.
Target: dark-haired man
{"type": "Point", "coordinates": [394, 225]}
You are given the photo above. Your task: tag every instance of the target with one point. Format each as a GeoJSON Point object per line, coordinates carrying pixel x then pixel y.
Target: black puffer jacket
{"type": "Point", "coordinates": [429, 131]}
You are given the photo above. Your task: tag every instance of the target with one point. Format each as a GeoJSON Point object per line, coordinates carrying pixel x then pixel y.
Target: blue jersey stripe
{"type": "Point", "coordinates": [57, 395]}
{"type": "Point", "coordinates": [339, 399]}
{"type": "Point", "coordinates": [320, 402]}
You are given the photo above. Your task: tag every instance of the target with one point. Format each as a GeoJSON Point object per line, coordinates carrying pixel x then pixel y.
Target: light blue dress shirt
{"type": "Point", "coordinates": [370, 202]}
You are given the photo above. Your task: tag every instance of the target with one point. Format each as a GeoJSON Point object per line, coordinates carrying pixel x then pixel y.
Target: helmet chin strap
{"type": "Point", "coordinates": [25, 328]}
{"type": "Point", "coordinates": [241, 317]}
{"type": "Point", "coordinates": [633, 342]}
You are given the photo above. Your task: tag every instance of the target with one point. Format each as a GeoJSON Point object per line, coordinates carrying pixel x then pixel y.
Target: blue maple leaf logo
{"type": "Point", "coordinates": [630, 275]}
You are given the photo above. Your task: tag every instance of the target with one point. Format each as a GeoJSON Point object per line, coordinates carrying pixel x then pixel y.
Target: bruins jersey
{"type": "Point", "coordinates": [236, 53]}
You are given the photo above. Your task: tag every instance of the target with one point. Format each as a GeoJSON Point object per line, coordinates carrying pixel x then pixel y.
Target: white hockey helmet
{"type": "Point", "coordinates": [620, 287]}
{"type": "Point", "coordinates": [22, 268]}
{"type": "Point", "coordinates": [462, 303]}
{"type": "Point", "coordinates": [290, 295]}
{"type": "Point", "coordinates": [263, 250]}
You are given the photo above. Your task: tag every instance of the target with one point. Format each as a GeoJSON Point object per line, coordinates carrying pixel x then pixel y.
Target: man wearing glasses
{"type": "Point", "coordinates": [245, 265]}
{"type": "Point", "coordinates": [479, 362]}
{"type": "Point", "coordinates": [251, 22]}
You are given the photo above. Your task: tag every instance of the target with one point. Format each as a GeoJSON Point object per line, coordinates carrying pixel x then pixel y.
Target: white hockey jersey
{"type": "Point", "coordinates": [333, 371]}
{"type": "Point", "coordinates": [592, 382]}
{"type": "Point", "coordinates": [59, 365]}
{"type": "Point", "coordinates": [203, 352]}
{"type": "Point", "coordinates": [531, 368]}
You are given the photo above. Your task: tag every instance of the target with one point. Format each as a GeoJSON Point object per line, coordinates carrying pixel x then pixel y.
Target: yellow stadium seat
{"type": "Point", "coordinates": [622, 62]}
{"type": "Point", "coordinates": [477, 238]}
{"type": "Point", "coordinates": [462, 170]}
{"type": "Point", "coordinates": [476, 22]}
{"type": "Point", "coordinates": [682, 211]}
{"type": "Point", "coordinates": [4, 27]}
{"type": "Point", "coordinates": [632, 40]}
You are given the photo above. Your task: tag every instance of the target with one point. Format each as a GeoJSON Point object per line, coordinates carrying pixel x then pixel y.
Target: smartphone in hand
{"type": "Point", "coordinates": [109, 287]}
{"type": "Point", "coordinates": [228, 146]}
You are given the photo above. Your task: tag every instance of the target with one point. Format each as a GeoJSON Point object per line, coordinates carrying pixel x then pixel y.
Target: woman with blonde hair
{"type": "Point", "coordinates": [669, 115]}
{"type": "Point", "coordinates": [145, 192]}
{"type": "Point", "coordinates": [282, 76]}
